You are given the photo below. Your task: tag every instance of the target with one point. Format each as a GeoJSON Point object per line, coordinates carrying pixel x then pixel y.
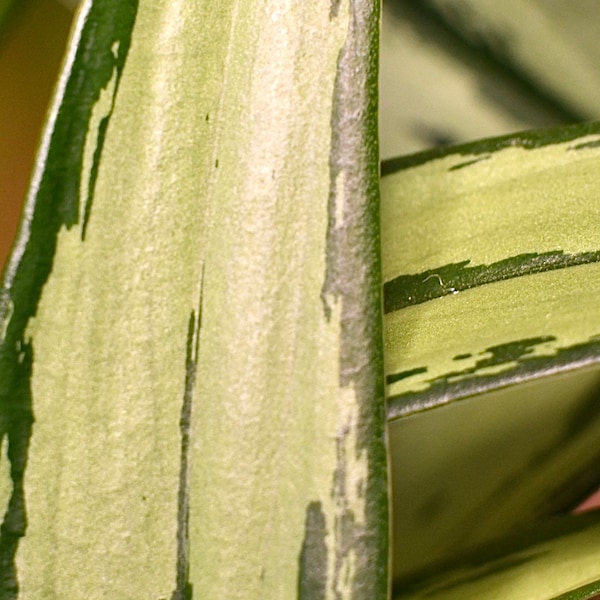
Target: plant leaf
{"type": "Point", "coordinates": [491, 270]}
{"type": "Point", "coordinates": [552, 44]}
{"type": "Point", "coordinates": [436, 88]}
{"type": "Point", "coordinates": [585, 592]}
{"type": "Point", "coordinates": [556, 561]}
{"type": "Point", "coordinates": [191, 312]}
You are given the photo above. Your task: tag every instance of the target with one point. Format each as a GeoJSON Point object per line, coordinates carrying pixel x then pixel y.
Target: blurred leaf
{"type": "Point", "coordinates": [553, 44]}
{"type": "Point", "coordinates": [70, 4]}
{"type": "Point", "coordinates": [437, 89]}
{"type": "Point", "coordinates": [557, 561]}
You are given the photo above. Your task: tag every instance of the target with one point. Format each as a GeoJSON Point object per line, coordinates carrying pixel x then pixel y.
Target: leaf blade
{"type": "Point", "coordinates": [191, 289]}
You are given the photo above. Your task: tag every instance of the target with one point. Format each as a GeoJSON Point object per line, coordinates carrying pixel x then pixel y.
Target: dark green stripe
{"type": "Point", "coordinates": [94, 170]}
{"type": "Point", "coordinates": [591, 591]}
{"type": "Point", "coordinates": [461, 384]}
{"type": "Point", "coordinates": [312, 571]}
{"type": "Point", "coordinates": [57, 200]}
{"type": "Point", "coordinates": [501, 354]}
{"type": "Point", "coordinates": [183, 586]}
{"type": "Point", "coordinates": [468, 163]}
{"type": "Point", "coordinates": [407, 290]}
{"type": "Point", "coordinates": [404, 375]}
{"type": "Point", "coordinates": [586, 145]}
{"type": "Point", "coordinates": [529, 140]}
{"type": "Point", "coordinates": [353, 282]}
{"type": "Point", "coordinates": [57, 203]}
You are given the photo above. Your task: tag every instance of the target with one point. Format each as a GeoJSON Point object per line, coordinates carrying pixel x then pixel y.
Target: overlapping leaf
{"type": "Point", "coordinates": [491, 271]}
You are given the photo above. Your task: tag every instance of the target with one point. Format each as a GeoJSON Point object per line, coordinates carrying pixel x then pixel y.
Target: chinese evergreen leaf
{"type": "Point", "coordinates": [191, 314]}
{"type": "Point", "coordinates": [491, 268]}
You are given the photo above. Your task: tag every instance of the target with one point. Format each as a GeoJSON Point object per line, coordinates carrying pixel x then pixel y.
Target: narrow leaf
{"type": "Point", "coordinates": [491, 270]}
{"type": "Point", "coordinates": [558, 561]}
{"type": "Point", "coordinates": [436, 88]}
{"type": "Point", "coordinates": [554, 45]}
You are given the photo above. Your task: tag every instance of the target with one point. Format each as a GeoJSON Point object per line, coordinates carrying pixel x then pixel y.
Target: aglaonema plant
{"type": "Point", "coordinates": [191, 374]}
